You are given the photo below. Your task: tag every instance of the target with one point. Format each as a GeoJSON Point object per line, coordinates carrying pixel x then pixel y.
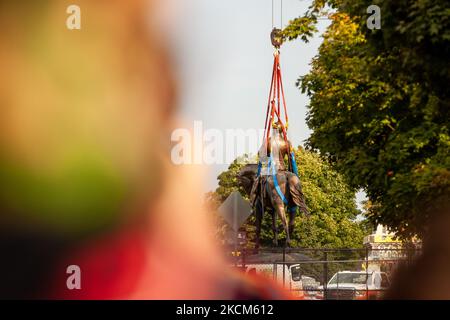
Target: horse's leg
{"type": "Point", "coordinates": [282, 214]}
{"type": "Point", "coordinates": [292, 214]}
{"type": "Point", "coordinates": [258, 215]}
{"type": "Point", "coordinates": [278, 209]}
{"type": "Point", "coordinates": [274, 228]}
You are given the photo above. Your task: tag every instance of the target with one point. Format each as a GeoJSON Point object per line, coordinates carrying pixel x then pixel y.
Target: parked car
{"type": "Point", "coordinates": [354, 285]}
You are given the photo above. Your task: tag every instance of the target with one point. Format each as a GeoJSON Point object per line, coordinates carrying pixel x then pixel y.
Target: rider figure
{"type": "Point", "coordinates": [276, 150]}
{"type": "Point", "coordinates": [279, 148]}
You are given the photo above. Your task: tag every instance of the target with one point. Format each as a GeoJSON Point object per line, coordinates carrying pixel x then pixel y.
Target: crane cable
{"type": "Point", "coordinates": [281, 14]}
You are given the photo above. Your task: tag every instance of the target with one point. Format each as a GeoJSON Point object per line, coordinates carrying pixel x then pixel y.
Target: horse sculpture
{"type": "Point", "coordinates": [265, 196]}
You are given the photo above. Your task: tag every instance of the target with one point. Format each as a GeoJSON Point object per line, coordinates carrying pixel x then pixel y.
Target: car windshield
{"type": "Point", "coordinates": [355, 278]}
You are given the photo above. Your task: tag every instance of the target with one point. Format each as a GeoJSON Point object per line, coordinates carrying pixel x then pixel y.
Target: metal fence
{"type": "Point", "coordinates": [328, 273]}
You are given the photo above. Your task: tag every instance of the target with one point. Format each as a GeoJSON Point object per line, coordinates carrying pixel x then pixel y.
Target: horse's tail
{"type": "Point", "coordinates": [296, 193]}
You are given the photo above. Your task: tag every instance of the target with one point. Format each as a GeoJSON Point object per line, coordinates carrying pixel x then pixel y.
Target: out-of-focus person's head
{"type": "Point", "coordinates": [85, 175]}
{"type": "Point", "coordinates": [84, 116]}
{"type": "Point", "coordinates": [83, 113]}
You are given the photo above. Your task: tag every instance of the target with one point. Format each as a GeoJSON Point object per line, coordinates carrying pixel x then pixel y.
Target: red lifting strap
{"type": "Point", "coordinates": [276, 97]}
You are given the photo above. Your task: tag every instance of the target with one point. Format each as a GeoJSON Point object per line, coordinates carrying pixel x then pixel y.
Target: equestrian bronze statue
{"type": "Point", "coordinates": [276, 188]}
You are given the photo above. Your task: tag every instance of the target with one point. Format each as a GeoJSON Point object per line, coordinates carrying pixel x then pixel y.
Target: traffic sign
{"type": "Point", "coordinates": [235, 210]}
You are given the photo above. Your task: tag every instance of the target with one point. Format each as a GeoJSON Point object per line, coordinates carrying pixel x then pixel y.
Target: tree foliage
{"type": "Point", "coordinates": [379, 104]}
{"type": "Point", "coordinates": [330, 200]}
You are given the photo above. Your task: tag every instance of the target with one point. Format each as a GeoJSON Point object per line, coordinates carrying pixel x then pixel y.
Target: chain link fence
{"type": "Point", "coordinates": [337, 274]}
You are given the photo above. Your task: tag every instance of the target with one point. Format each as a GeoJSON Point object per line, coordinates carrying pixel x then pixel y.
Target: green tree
{"type": "Point", "coordinates": [330, 200]}
{"type": "Point", "coordinates": [379, 106]}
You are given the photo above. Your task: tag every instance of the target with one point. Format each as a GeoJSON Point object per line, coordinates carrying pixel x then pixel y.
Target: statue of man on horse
{"type": "Point", "coordinates": [274, 186]}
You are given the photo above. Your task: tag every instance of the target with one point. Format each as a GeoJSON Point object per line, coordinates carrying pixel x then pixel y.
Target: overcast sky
{"type": "Point", "coordinates": [225, 57]}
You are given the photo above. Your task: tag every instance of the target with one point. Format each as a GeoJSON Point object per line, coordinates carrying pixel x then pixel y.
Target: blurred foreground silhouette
{"type": "Point", "coordinates": [429, 276]}
{"type": "Point", "coordinates": [85, 174]}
